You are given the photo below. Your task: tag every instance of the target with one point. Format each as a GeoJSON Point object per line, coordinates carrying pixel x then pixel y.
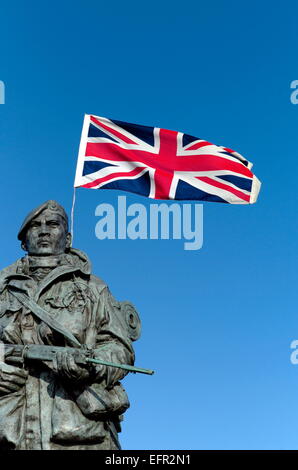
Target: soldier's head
{"type": "Point", "coordinates": [44, 231]}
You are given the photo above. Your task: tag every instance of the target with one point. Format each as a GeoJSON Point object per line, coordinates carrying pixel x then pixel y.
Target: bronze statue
{"type": "Point", "coordinates": [50, 298]}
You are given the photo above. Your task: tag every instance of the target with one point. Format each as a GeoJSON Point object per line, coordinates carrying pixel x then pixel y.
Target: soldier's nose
{"type": "Point", "coordinates": [43, 230]}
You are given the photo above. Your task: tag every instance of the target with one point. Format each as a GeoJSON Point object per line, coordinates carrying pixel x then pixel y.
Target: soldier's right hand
{"type": "Point", "coordinates": [11, 378]}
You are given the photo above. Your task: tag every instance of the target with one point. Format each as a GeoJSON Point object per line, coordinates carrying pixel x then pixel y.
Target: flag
{"type": "Point", "coordinates": [161, 164]}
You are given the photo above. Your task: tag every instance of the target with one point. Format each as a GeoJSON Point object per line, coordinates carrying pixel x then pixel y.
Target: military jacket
{"type": "Point", "coordinates": [47, 413]}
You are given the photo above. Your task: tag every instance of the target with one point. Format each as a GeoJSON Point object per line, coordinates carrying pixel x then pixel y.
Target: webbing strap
{"type": "Point", "coordinates": [43, 315]}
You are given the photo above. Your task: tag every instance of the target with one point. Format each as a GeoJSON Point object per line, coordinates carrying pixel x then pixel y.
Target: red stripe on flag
{"type": "Point", "coordinates": [198, 145]}
{"type": "Point", "coordinates": [217, 184]}
{"type": "Point", "coordinates": [107, 178]}
{"type": "Point", "coordinates": [166, 161]}
{"type": "Point", "coordinates": [228, 150]}
{"type": "Point", "coordinates": [112, 131]}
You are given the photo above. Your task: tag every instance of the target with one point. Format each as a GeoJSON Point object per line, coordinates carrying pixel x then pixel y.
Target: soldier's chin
{"type": "Point", "coordinates": [42, 251]}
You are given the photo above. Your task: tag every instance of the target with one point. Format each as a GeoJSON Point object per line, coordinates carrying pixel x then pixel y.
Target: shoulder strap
{"type": "Point", "coordinates": [43, 315]}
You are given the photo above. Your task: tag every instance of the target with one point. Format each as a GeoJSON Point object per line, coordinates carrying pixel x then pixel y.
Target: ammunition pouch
{"type": "Point", "coordinates": [96, 402]}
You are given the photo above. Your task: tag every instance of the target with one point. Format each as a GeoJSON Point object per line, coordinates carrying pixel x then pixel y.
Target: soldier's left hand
{"type": "Point", "coordinates": [65, 365]}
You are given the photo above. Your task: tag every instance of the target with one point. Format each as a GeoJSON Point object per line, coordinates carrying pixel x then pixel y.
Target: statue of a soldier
{"type": "Point", "coordinates": [49, 297]}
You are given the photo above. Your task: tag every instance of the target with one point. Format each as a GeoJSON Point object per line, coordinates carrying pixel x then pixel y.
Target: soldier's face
{"type": "Point", "coordinates": [46, 235]}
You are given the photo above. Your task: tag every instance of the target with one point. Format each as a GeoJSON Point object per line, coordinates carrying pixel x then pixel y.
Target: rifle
{"type": "Point", "coordinates": [20, 353]}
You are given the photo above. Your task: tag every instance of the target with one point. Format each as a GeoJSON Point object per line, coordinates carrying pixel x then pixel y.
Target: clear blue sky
{"type": "Point", "coordinates": [218, 322]}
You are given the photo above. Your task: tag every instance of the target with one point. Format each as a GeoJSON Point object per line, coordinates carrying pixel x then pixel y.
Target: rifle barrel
{"type": "Point", "coordinates": [47, 353]}
{"type": "Point", "coordinates": [122, 366]}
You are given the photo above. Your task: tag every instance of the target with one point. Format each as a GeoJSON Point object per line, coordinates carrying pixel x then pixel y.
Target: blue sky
{"type": "Point", "coordinates": [217, 322]}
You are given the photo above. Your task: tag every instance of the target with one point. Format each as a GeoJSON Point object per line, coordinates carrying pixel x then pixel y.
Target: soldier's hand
{"type": "Point", "coordinates": [11, 378]}
{"type": "Point", "coordinates": [65, 365]}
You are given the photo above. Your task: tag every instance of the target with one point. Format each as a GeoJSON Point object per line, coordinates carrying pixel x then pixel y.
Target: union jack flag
{"type": "Point", "coordinates": [161, 164]}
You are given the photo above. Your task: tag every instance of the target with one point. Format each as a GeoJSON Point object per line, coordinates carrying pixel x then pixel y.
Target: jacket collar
{"type": "Point", "coordinates": [74, 261]}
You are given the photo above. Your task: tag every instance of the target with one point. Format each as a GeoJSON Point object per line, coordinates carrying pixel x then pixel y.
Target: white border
{"type": "Point", "coordinates": [255, 189]}
{"type": "Point", "coordinates": [82, 151]}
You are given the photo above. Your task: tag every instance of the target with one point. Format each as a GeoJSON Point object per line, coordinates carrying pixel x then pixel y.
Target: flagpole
{"type": "Point", "coordinates": [72, 213]}
{"type": "Point", "coordinates": [79, 168]}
